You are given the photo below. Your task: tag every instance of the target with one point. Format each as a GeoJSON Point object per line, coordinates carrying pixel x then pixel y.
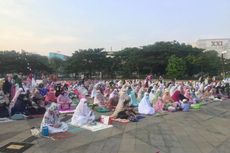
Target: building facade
{"type": "Point", "coordinates": [57, 55]}
{"type": "Point", "coordinates": [222, 46]}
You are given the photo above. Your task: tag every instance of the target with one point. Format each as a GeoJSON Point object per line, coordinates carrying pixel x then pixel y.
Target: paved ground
{"type": "Point", "coordinates": [203, 131]}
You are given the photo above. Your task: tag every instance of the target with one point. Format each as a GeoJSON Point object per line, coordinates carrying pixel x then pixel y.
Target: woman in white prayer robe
{"type": "Point", "coordinates": [144, 106]}
{"type": "Point", "coordinates": [83, 114]}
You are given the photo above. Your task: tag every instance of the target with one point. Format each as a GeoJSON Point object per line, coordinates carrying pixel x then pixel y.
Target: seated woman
{"type": "Point", "coordinates": [113, 99]}
{"type": "Point", "coordinates": [21, 103]}
{"type": "Point", "coordinates": [195, 99]}
{"type": "Point", "coordinates": [133, 98]}
{"type": "Point", "coordinates": [188, 95]}
{"type": "Point", "coordinates": [52, 121]}
{"type": "Point", "coordinates": [140, 93]}
{"type": "Point", "coordinates": [4, 101]}
{"type": "Point", "coordinates": [157, 94]}
{"type": "Point", "coordinates": [64, 101]}
{"type": "Point", "coordinates": [81, 89]}
{"type": "Point", "coordinates": [107, 91]}
{"type": "Point", "coordinates": [58, 88]}
{"type": "Point", "coordinates": [144, 106]}
{"type": "Point", "coordinates": [159, 106]}
{"type": "Point", "coordinates": [50, 97]}
{"type": "Point", "coordinates": [6, 87]}
{"type": "Point", "coordinates": [99, 98]}
{"type": "Point", "coordinates": [122, 110]}
{"type": "Point", "coordinates": [168, 101]}
{"type": "Point", "coordinates": [166, 97]}
{"type": "Point", "coordinates": [43, 90]}
{"type": "Point", "coordinates": [38, 102]}
{"type": "Point", "coordinates": [177, 96]}
{"type": "Point", "coordinates": [83, 114]}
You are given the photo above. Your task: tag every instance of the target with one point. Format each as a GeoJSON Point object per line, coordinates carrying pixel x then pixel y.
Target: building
{"type": "Point", "coordinates": [57, 55]}
{"type": "Point", "coordinates": [222, 46]}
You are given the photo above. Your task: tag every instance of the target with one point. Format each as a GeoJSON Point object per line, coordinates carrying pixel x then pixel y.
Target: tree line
{"type": "Point", "coordinates": [169, 59]}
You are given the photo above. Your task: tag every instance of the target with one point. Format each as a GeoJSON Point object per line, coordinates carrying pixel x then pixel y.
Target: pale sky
{"type": "Point", "coordinates": [44, 26]}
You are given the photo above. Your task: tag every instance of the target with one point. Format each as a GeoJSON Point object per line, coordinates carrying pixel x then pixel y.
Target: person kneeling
{"type": "Point", "coordinates": [123, 111]}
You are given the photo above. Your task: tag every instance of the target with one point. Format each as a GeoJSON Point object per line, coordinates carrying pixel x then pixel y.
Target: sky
{"type": "Point", "coordinates": [42, 26]}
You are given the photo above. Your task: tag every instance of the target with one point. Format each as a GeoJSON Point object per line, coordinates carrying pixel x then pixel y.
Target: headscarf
{"type": "Point", "coordinates": [166, 97]}
{"type": "Point", "coordinates": [151, 94]}
{"type": "Point", "coordinates": [144, 106]}
{"type": "Point", "coordinates": [99, 98]}
{"type": "Point", "coordinates": [51, 116]}
{"type": "Point", "coordinates": [133, 100]}
{"type": "Point", "coordinates": [82, 108]}
{"type": "Point", "coordinates": [156, 95]}
{"type": "Point", "coordinates": [159, 105]}
{"type": "Point", "coordinates": [120, 106]}
{"type": "Point", "coordinates": [187, 94]}
{"type": "Point", "coordinates": [114, 94]}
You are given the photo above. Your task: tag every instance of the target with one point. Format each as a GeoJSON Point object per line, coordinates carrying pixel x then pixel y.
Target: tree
{"type": "Point", "coordinates": [57, 65]}
{"type": "Point", "coordinates": [209, 62]}
{"type": "Point", "coordinates": [14, 62]}
{"type": "Point", "coordinates": [128, 63]}
{"type": "Point", "coordinates": [176, 67]}
{"type": "Point", "coordinates": [88, 61]}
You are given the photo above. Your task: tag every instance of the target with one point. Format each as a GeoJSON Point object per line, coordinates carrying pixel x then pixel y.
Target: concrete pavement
{"type": "Point", "coordinates": [201, 131]}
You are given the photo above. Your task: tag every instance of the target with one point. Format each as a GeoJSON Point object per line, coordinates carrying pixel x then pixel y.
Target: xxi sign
{"type": "Point", "coordinates": [217, 43]}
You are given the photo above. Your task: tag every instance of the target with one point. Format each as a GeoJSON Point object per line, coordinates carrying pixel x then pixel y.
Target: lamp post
{"type": "Point", "coordinates": [222, 57]}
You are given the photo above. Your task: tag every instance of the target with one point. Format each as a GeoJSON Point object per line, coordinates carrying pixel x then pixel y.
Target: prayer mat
{"type": "Point", "coordinates": [97, 127]}
{"type": "Point", "coordinates": [61, 135]}
{"type": "Point", "coordinates": [15, 147]}
{"type": "Point", "coordinates": [196, 106]}
{"type": "Point", "coordinates": [102, 110]}
{"type": "Point", "coordinates": [18, 117]}
{"type": "Point", "coordinates": [74, 129]}
{"type": "Point", "coordinates": [4, 120]}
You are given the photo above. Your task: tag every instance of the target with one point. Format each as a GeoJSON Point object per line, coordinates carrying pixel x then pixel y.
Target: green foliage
{"type": "Point", "coordinates": [88, 61]}
{"type": "Point", "coordinates": [57, 65]}
{"type": "Point", "coordinates": [210, 62]}
{"type": "Point", "coordinates": [128, 63]}
{"type": "Point", "coordinates": [14, 62]}
{"type": "Point", "coordinates": [176, 67]}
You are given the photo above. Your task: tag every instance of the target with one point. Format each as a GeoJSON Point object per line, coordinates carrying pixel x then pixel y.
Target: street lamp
{"type": "Point", "coordinates": [222, 57]}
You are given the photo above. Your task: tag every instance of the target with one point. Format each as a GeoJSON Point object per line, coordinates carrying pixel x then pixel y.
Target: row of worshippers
{"type": "Point", "coordinates": [22, 96]}
{"type": "Point", "coordinates": [123, 96]}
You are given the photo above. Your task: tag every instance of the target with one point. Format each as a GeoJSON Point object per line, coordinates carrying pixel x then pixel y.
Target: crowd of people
{"type": "Point", "coordinates": [22, 96]}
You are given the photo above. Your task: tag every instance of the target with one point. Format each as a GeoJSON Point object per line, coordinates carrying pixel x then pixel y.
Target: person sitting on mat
{"type": "Point", "coordinates": [64, 101]}
{"type": "Point", "coordinates": [50, 97]}
{"type": "Point", "coordinates": [113, 99]}
{"type": "Point", "coordinates": [21, 103]}
{"type": "Point", "coordinates": [99, 98]}
{"type": "Point", "coordinates": [122, 110]}
{"type": "Point", "coordinates": [133, 99]}
{"type": "Point", "coordinates": [83, 114]}
{"type": "Point", "coordinates": [144, 106]}
{"type": "Point", "coordinates": [52, 121]}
